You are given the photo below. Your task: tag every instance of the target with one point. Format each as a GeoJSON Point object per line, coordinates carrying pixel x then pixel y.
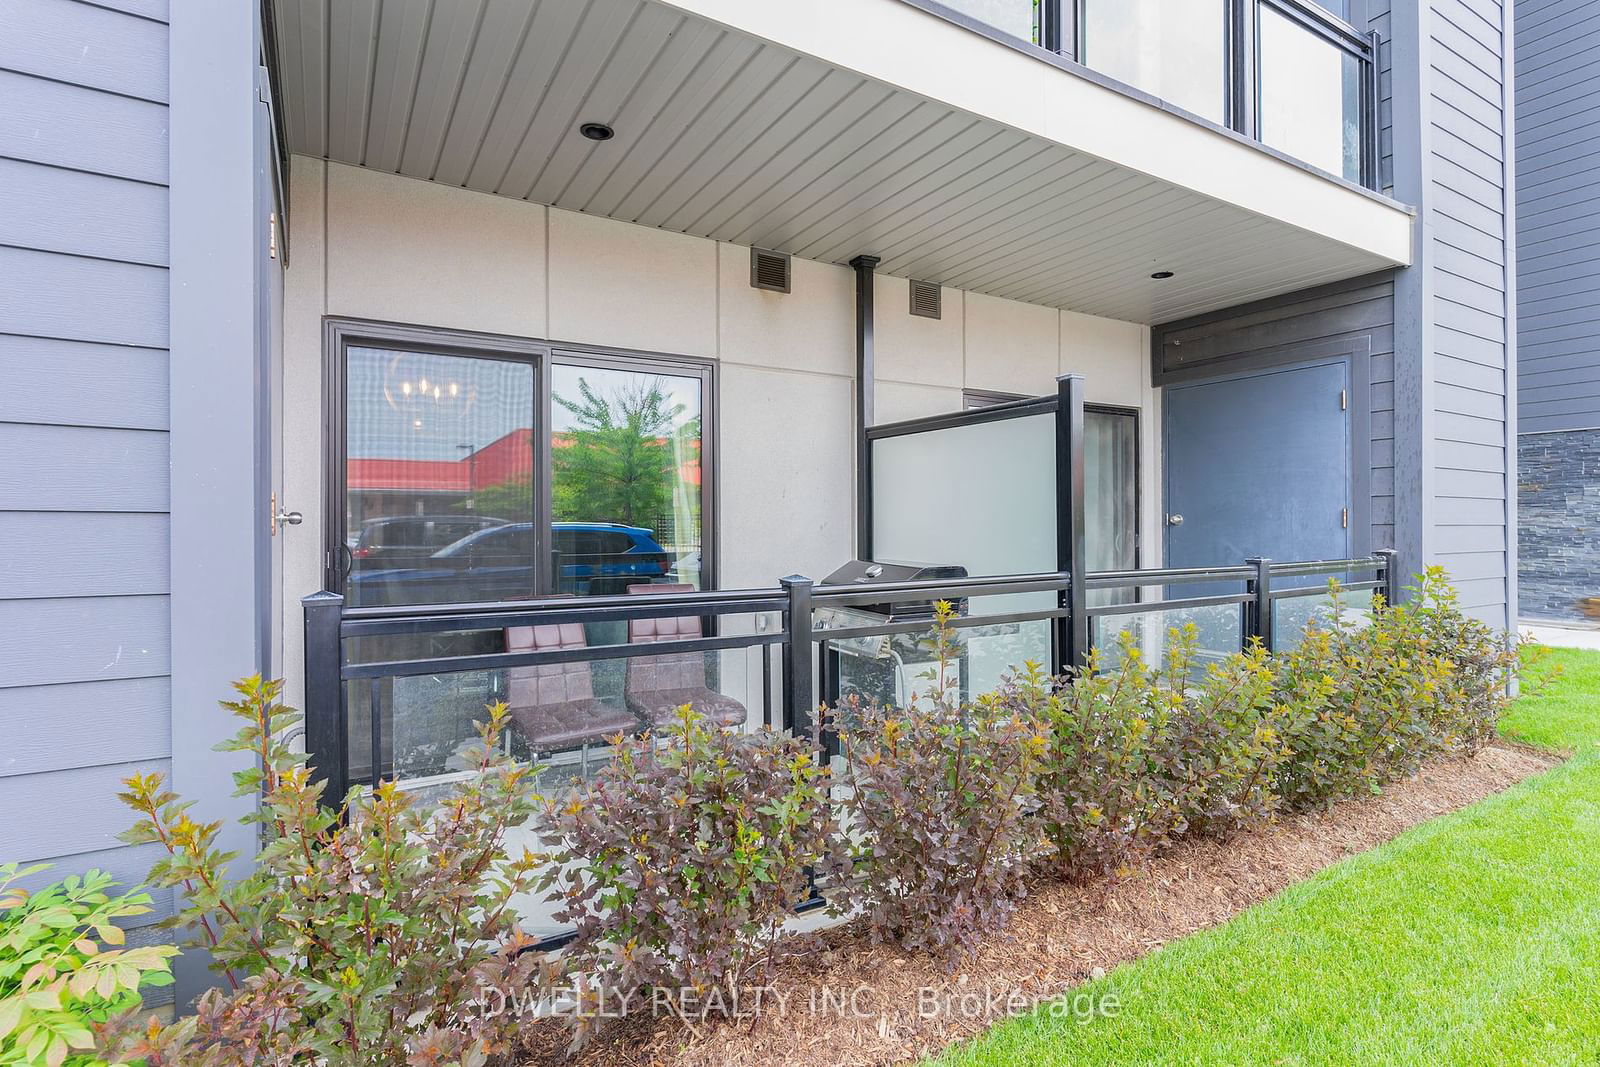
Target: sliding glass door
{"type": "Point", "coordinates": [470, 469]}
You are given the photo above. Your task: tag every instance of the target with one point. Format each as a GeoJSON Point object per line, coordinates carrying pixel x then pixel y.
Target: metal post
{"type": "Point", "coordinates": [327, 739]}
{"type": "Point", "coordinates": [799, 699]}
{"type": "Point", "coordinates": [1260, 614]}
{"type": "Point", "coordinates": [1391, 575]}
{"type": "Point", "coordinates": [866, 386]}
{"type": "Point", "coordinates": [1071, 554]}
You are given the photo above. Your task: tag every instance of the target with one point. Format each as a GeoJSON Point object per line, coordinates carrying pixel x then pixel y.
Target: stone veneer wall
{"type": "Point", "coordinates": [1558, 509]}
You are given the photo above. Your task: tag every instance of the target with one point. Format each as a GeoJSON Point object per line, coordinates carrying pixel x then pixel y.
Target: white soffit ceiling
{"type": "Point", "coordinates": [722, 135]}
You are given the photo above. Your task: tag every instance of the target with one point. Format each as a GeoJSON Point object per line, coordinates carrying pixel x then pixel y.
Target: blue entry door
{"type": "Point", "coordinates": [1258, 465]}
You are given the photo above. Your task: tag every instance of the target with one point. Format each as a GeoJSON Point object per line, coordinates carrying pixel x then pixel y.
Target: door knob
{"type": "Point", "coordinates": [280, 517]}
{"type": "Point", "coordinates": [1174, 520]}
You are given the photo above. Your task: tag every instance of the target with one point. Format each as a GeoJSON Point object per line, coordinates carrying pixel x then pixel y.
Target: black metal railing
{"type": "Point", "coordinates": [419, 642]}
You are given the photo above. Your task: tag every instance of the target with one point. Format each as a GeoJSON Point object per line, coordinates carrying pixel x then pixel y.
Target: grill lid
{"type": "Point", "coordinates": [868, 572]}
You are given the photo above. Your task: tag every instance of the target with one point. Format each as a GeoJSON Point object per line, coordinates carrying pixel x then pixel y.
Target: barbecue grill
{"type": "Point", "coordinates": [885, 668]}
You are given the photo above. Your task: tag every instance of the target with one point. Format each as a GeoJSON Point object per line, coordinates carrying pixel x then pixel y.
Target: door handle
{"type": "Point", "coordinates": [1174, 520]}
{"type": "Point", "coordinates": [280, 517]}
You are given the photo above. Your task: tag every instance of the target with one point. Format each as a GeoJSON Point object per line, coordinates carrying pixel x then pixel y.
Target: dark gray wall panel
{"type": "Point", "coordinates": [85, 129]}
{"type": "Point", "coordinates": [84, 724]}
{"type": "Point", "coordinates": [80, 299]}
{"type": "Point", "coordinates": [1358, 310]}
{"type": "Point", "coordinates": [72, 468]}
{"type": "Point", "coordinates": [1379, 22]}
{"type": "Point", "coordinates": [84, 214]}
{"type": "Point", "coordinates": [96, 47]}
{"type": "Point", "coordinates": [1558, 213]}
{"type": "Point", "coordinates": [74, 383]}
{"type": "Point", "coordinates": [74, 554]}
{"type": "Point", "coordinates": [83, 639]}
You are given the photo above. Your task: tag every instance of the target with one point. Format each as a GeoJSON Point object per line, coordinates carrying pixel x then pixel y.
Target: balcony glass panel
{"type": "Point", "coordinates": [1172, 49]}
{"type": "Point", "coordinates": [1310, 102]}
{"type": "Point", "coordinates": [561, 715]}
{"type": "Point", "coordinates": [1219, 632]}
{"type": "Point", "coordinates": [981, 496]}
{"type": "Point", "coordinates": [1020, 18]}
{"type": "Point", "coordinates": [1293, 616]}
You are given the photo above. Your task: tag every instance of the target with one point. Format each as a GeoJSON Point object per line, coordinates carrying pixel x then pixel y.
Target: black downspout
{"type": "Point", "coordinates": [1072, 645]}
{"type": "Point", "coordinates": [866, 378]}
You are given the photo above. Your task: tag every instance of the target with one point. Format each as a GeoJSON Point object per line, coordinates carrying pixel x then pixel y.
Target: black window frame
{"type": "Point", "coordinates": [342, 334]}
{"type": "Point", "coordinates": [1061, 32]}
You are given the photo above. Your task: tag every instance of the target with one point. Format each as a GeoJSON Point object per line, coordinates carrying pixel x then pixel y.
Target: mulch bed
{"type": "Point", "coordinates": [1061, 936]}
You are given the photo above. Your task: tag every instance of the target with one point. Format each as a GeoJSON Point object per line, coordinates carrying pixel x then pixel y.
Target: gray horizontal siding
{"type": "Point", "coordinates": [84, 536]}
{"type": "Point", "coordinates": [89, 823]}
{"type": "Point", "coordinates": [80, 299]}
{"type": "Point", "coordinates": [95, 47]}
{"type": "Point", "coordinates": [77, 554]}
{"type": "Point", "coordinates": [1379, 22]}
{"type": "Point", "coordinates": [78, 468]}
{"type": "Point", "coordinates": [1558, 214]}
{"type": "Point", "coordinates": [85, 214]}
{"type": "Point", "coordinates": [84, 129]}
{"type": "Point", "coordinates": [112, 385]}
{"type": "Point", "coordinates": [1470, 507]}
{"type": "Point", "coordinates": [84, 724]}
{"type": "Point", "coordinates": [83, 639]}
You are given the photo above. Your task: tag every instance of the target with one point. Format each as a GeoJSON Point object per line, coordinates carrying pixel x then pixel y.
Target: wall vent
{"type": "Point", "coordinates": [769, 270]}
{"type": "Point", "coordinates": [926, 299]}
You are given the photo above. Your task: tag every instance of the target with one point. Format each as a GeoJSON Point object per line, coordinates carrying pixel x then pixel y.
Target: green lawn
{"type": "Point", "coordinates": [1472, 939]}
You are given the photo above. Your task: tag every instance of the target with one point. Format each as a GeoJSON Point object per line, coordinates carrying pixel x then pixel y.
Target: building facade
{"type": "Point", "coordinates": [1558, 447]}
{"type": "Point", "coordinates": [327, 294]}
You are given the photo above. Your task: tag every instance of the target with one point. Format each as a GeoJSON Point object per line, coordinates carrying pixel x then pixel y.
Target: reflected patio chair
{"type": "Point", "coordinates": [553, 704]}
{"type": "Point", "coordinates": [658, 686]}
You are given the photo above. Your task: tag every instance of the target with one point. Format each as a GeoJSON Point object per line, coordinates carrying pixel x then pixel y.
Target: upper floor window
{"type": "Point", "coordinates": [1292, 74]}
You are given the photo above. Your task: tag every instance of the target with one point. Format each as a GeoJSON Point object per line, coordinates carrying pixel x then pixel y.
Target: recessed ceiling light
{"type": "Point", "coordinates": [1161, 275]}
{"type": "Point", "coordinates": [597, 131]}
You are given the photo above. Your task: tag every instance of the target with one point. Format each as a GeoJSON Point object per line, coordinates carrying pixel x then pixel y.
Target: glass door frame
{"type": "Point", "coordinates": [342, 334]}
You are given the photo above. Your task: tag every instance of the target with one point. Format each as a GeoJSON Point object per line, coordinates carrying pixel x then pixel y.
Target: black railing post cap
{"type": "Point", "coordinates": [321, 597]}
{"type": "Point", "coordinates": [794, 579]}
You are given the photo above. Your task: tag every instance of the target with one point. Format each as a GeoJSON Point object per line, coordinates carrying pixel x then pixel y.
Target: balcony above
{"type": "Point", "coordinates": [828, 130]}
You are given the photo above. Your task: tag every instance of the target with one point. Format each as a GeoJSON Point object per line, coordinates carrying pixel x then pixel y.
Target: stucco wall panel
{"type": "Point", "coordinates": [409, 251]}
{"type": "Point", "coordinates": [631, 286]}
{"type": "Point", "coordinates": [811, 327]}
{"type": "Point", "coordinates": [1011, 347]}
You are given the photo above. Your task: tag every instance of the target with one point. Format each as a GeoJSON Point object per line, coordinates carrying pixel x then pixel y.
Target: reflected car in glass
{"type": "Point", "coordinates": [410, 540]}
{"type": "Point", "coordinates": [499, 563]}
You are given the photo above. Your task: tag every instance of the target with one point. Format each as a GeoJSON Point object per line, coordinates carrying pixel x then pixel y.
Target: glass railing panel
{"type": "Point", "coordinates": [1176, 50]}
{"type": "Point", "coordinates": [1294, 615]}
{"type": "Point", "coordinates": [1019, 18]}
{"type": "Point", "coordinates": [562, 715]}
{"type": "Point", "coordinates": [1310, 95]}
{"type": "Point", "coordinates": [1219, 631]}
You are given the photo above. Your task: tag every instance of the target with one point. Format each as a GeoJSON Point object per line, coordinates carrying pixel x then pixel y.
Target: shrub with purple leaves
{"type": "Point", "coordinates": [937, 812]}
{"type": "Point", "coordinates": [678, 864]}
